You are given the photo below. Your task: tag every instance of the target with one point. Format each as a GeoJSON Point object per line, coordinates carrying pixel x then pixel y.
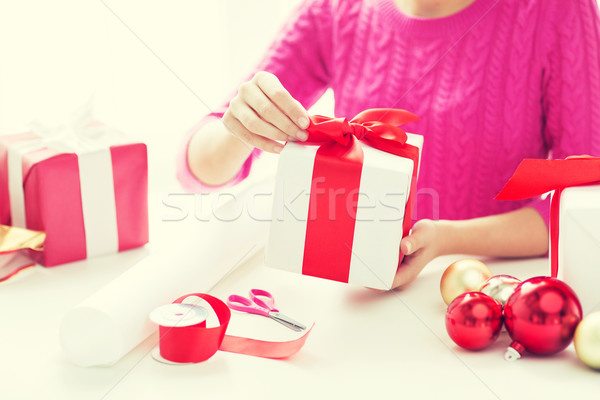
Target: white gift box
{"type": "Point", "coordinates": [385, 183]}
{"type": "Point", "coordinates": [579, 243]}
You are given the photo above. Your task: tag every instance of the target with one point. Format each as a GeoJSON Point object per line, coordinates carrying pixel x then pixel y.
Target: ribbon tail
{"type": "Point", "coordinates": [528, 180]}
{"type": "Point", "coordinates": [261, 348]}
{"type": "Point", "coordinates": [534, 177]}
{"type": "Point", "coordinates": [554, 232]}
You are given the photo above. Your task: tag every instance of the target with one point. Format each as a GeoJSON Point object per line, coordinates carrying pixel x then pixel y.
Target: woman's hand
{"type": "Point", "coordinates": [519, 233]}
{"type": "Point", "coordinates": [419, 248]}
{"type": "Point", "coordinates": [264, 112]}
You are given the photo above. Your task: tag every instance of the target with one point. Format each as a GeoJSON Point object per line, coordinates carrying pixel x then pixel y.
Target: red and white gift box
{"type": "Point", "coordinates": [88, 192]}
{"type": "Point", "coordinates": [574, 218]}
{"type": "Point", "coordinates": [579, 243]}
{"type": "Point", "coordinates": [343, 199]}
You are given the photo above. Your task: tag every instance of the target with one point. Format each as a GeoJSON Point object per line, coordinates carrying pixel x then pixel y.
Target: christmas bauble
{"type": "Point", "coordinates": [587, 340]}
{"type": "Point", "coordinates": [500, 287]}
{"type": "Point", "coordinates": [541, 316]}
{"type": "Point", "coordinates": [463, 276]}
{"type": "Point", "coordinates": [474, 320]}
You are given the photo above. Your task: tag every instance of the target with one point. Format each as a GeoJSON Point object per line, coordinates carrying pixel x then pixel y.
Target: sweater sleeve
{"type": "Point", "coordinates": [571, 82]}
{"type": "Point", "coordinates": [299, 57]}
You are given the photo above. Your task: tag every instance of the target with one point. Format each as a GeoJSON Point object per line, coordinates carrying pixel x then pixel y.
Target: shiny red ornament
{"type": "Point", "coordinates": [541, 316]}
{"type": "Point", "coordinates": [474, 320]}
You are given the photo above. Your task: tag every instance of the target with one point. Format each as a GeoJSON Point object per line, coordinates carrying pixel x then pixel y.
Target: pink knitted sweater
{"type": "Point", "coordinates": [497, 82]}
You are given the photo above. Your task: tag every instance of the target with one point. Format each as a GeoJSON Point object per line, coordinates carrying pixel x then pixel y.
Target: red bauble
{"type": "Point", "coordinates": [474, 320]}
{"type": "Point", "coordinates": [541, 316]}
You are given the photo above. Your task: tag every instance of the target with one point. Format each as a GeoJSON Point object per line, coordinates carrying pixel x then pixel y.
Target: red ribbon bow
{"type": "Point", "coordinates": [378, 127]}
{"type": "Point", "coordinates": [535, 177]}
{"type": "Point", "coordinates": [338, 166]}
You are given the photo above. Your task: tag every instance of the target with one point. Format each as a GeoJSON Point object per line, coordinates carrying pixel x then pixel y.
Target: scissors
{"type": "Point", "coordinates": [266, 307]}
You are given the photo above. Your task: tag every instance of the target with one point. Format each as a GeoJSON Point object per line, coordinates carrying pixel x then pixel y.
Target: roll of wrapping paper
{"type": "Point", "coordinates": [197, 343]}
{"type": "Point", "coordinates": [13, 244]}
{"type": "Point", "coordinates": [111, 322]}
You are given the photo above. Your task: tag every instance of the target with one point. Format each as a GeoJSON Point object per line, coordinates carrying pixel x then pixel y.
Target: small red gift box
{"type": "Point", "coordinates": [89, 195]}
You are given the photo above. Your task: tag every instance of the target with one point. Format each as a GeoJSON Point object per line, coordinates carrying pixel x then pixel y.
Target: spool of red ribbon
{"type": "Point", "coordinates": [190, 341]}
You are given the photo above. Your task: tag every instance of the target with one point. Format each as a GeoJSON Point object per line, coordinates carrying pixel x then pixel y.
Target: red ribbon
{"type": "Point", "coordinates": [535, 177]}
{"type": "Point", "coordinates": [338, 167]}
{"type": "Point", "coordinates": [197, 343]}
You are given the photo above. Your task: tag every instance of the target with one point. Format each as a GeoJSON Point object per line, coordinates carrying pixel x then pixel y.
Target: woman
{"type": "Point", "coordinates": [493, 81]}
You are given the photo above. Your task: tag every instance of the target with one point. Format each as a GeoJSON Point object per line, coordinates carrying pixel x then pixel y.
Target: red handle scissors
{"type": "Point", "coordinates": [263, 305]}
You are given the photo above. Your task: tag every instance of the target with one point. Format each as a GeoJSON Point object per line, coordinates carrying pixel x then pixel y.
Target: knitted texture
{"type": "Point", "coordinates": [497, 82]}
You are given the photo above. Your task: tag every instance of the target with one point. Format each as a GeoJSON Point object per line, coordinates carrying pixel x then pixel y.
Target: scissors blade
{"type": "Point", "coordinates": [287, 321]}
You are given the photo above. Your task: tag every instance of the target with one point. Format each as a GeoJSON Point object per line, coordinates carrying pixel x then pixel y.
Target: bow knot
{"type": "Point", "coordinates": [358, 130]}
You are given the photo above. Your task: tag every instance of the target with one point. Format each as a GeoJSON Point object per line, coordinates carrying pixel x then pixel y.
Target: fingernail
{"type": "Point", "coordinates": [302, 135]}
{"type": "Point", "coordinates": [408, 247]}
{"type": "Point", "coordinates": [277, 149]}
{"type": "Point", "coordinates": [303, 122]}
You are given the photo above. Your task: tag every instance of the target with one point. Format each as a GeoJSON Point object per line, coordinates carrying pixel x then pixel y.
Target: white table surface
{"type": "Point", "coordinates": [364, 344]}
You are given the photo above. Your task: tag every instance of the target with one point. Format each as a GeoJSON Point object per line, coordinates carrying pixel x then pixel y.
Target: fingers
{"type": "Point", "coordinates": [269, 114]}
{"type": "Point", "coordinates": [270, 86]}
{"type": "Point", "coordinates": [411, 243]}
{"type": "Point", "coordinates": [404, 276]}
{"type": "Point", "coordinates": [253, 123]}
{"type": "Point", "coordinates": [420, 247]}
{"type": "Point", "coordinates": [419, 237]}
{"type": "Point", "coordinates": [410, 267]}
{"type": "Point", "coordinates": [263, 112]}
{"type": "Point", "coordinates": [240, 131]}
{"type": "Point", "coordinates": [406, 246]}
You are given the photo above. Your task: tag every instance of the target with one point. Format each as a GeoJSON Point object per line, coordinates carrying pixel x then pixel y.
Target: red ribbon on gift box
{"type": "Point", "coordinates": [338, 166]}
{"type": "Point", "coordinates": [534, 177]}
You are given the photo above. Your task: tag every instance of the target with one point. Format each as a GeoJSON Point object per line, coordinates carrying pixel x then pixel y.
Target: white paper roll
{"type": "Point", "coordinates": [110, 323]}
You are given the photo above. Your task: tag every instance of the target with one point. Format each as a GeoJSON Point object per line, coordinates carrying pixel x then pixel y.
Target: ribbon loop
{"type": "Point", "coordinates": [389, 116]}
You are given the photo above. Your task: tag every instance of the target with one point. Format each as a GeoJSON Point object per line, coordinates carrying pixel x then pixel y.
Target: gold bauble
{"type": "Point", "coordinates": [463, 276]}
{"type": "Point", "coordinates": [500, 287]}
{"type": "Point", "coordinates": [587, 340]}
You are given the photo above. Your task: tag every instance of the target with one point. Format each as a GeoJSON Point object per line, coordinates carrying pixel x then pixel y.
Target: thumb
{"type": "Point", "coordinates": [415, 240]}
{"type": "Point", "coordinates": [410, 244]}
